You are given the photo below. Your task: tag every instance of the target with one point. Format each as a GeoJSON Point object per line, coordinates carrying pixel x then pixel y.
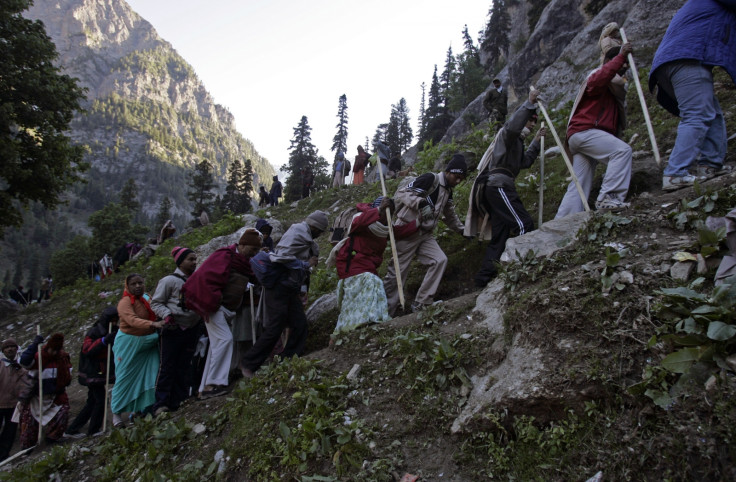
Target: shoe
{"type": "Point", "coordinates": [673, 183]}
{"type": "Point", "coordinates": [709, 172]}
{"type": "Point", "coordinates": [215, 391]}
{"type": "Point", "coordinates": [416, 307]}
{"type": "Point", "coordinates": [610, 204]}
{"type": "Point", "coordinates": [160, 410]}
{"type": "Point", "coordinates": [117, 421]}
{"type": "Point", "coordinates": [75, 435]}
{"type": "Point", "coordinates": [247, 372]}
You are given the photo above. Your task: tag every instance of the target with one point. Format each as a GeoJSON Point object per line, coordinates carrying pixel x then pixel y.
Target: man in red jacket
{"type": "Point", "coordinates": [598, 118]}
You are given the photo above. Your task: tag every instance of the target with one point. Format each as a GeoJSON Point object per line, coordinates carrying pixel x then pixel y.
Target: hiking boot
{"type": "Point", "coordinates": [709, 172]}
{"type": "Point", "coordinates": [610, 204]}
{"type": "Point", "coordinates": [673, 183]}
{"type": "Point", "coordinates": [215, 391]}
{"type": "Point", "coordinates": [416, 307]}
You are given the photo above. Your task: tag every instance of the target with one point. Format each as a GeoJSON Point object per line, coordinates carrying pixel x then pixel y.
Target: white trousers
{"type": "Point", "coordinates": [217, 366]}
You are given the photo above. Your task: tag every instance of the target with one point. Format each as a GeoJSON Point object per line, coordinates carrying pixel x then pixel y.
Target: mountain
{"type": "Point", "coordinates": [148, 117]}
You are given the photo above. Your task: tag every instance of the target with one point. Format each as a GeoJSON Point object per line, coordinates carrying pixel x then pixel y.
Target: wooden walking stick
{"type": "Point", "coordinates": [40, 388]}
{"type": "Point", "coordinates": [642, 101]}
{"type": "Point", "coordinates": [564, 155]}
{"type": "Point", "coordinates": [541, 177]}
{"type": "Point", "coordinates": [107, 380]}
{"type": "Point", "coordinates": [252, 315]}
{"type": "Point", "coordinates": [394, 254]}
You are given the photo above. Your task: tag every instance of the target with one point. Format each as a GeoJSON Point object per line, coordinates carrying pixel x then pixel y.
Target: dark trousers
{"type": "Point", "coordinates": [93, 410]}
{"type": "Point", "coordinates": [285, 310]}
{"type": "Point", "coordinates": [7, 436]}
{"type": "Point", "coordinates": [508, 218]}
{"type": "Point", "coordinates": [176, 349]}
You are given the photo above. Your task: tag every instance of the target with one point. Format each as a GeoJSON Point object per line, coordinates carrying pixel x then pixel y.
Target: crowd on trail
{"type": "Point", "coordinates": [205, 326]}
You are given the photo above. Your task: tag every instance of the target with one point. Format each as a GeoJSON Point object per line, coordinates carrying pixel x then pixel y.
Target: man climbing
{"type": "Point", "coordinates": [297, 252]}
{"type": "Point", "coordinates": [499, 198]}
{"type": "Point", "coordinates": [495, 102]}
{"type": "Point", "coordinates": [424, 200]}
{"type": "Point", "coordinates": [696, 40]}
{"type": "Point", "coordinates": [598, 117]}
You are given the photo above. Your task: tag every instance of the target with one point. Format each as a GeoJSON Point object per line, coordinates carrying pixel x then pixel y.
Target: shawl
{"type": "Point", "coordinates": [133, 299]}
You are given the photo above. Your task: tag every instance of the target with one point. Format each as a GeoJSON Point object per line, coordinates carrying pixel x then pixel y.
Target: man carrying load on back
{"type": "Point", "coordinates": [424, 200]}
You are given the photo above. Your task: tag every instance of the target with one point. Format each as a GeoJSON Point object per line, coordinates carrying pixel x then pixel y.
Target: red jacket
{"type": "Point", "coordinates": [598, 108]}
{"type": "Point", "coordinates": [367, 247]}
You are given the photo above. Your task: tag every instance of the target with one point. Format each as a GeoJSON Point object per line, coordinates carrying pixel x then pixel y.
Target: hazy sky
{"type": "Point", "coordinates": [270, 62]}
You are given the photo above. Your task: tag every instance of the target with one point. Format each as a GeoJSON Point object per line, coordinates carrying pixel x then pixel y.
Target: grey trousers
{"type": "Point", "coordinates": [588, 148]}
{"type": "Point", "coordinates": [428, 253]}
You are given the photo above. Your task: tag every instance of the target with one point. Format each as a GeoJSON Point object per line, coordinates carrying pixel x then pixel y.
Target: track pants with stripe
{"type": "Point", "coordinates": [508, 218]}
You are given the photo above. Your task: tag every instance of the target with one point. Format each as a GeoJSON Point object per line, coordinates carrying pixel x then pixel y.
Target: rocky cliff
{"type": "Point", "coordinates": [562, 47]}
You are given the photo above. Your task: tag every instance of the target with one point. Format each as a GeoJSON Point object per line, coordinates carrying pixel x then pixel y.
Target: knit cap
{"type": "Point", "coordinates": [251, 237]}
{"type": "Point", "coordinates": [8, 343]}
{"type": "Point", "coordinates": [180, 254]}
{"type": "Point", "coordinates": [318, 220]}
{"type": "Point", "coordinates": [457, 165]}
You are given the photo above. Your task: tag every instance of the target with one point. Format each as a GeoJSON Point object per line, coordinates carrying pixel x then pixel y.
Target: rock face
{"type": "Point", "coordinates": [147, 112]}
{"type": "Point", "coordinates": [563, 48]}
{"type": "Point", "coordinates": [549, 238]}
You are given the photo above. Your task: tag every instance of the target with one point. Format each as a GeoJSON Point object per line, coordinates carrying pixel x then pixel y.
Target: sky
{"type": "Point", "coordinates": [269, 62]}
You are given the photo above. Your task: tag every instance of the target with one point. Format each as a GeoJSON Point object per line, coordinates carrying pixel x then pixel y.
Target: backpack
{"type": "Point", "coordinates": [342, 223]}
{"type": "Point", "coordinates": [408, 180]}
{"type": "Point", "coordinates": [477, 195]}
{"type": "Point", "coordinates": [271, 275]}
{"type": "Point", "coordinates": [346, 168]}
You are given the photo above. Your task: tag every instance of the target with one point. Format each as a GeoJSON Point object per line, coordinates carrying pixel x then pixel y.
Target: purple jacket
{"type": "Point", "coordinates": [703, 30]}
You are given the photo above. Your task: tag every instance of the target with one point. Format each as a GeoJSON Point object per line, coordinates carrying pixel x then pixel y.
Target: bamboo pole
{"type": "Point", "coordinates": [40, 388]}
{"type": "Point", "coordinates": [583, 198]}
{"type": "Point", "coordinates": [107, 380]}
{"type": "Point", "coordinates": [642, 101]}
{"type": "Point", "coordinates": [541, 178]}
{"type": "Point", "coordinates": [394, 254]}
{"type": "Point", "coordinates": [252, 316]}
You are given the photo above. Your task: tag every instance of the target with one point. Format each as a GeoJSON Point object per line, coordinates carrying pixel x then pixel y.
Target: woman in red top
{"type": "Point", "coordinates": [360, 293]}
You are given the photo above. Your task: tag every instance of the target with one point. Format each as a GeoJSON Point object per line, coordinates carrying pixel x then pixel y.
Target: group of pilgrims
{"type": "Point", "coordinates": [146, 346]}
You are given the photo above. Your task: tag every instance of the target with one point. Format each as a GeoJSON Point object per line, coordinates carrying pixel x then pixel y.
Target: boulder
{"type": "Point", "coordinates": [551, 237]}
{"type": "Point", "coordinates": [323, 304]}
{"type": "Point", "coordinates": [490, 307]}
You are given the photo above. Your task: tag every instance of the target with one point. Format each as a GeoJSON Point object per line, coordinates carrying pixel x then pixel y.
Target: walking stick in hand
{"type": "Point", "coordinates": [564, 154]}
{"type": "Point", "coordinates": [642, 101]}
{"type": "Point", "coordinates": [107, 380]}
{"type": "Point", "coordinates": [541, 177]}
{"type": "Point", "coordinates": [394, 254]}
{"type": "Point", "coordinates": [252, 316]}
{"type": "Point", "coordinates": [40, 388]}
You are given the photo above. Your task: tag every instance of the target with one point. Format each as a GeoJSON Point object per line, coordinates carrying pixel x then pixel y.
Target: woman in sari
{"type": "Point", "coordinates": [136, 352]}
{"type": "Point", "coordinates": [360, 293]}
{"type": "Point", "coordinates": [56, 376]}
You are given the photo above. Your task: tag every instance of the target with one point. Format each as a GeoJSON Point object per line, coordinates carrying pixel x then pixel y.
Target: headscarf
{"type": "Point", "coordinates": [133, 298]}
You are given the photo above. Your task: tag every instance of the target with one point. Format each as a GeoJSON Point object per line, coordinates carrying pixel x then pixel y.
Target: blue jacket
{"type": "Point", "coordinates": [703, 30]}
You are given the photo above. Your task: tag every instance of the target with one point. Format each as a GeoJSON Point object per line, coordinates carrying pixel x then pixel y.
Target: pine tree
{"type": "Point", "coordinates": [398, 132]}
{"type": "Point", "coordinates": [233, 200]}
{"type": "Point", "coordinates": [470, 81]}
{"type": "Point", "coordinates": [434, 104]}
{"type": "Point", "coordinates": [340, 141]}
{"type": "Point", "coordinates": [422, 106]}
{"type": "Point", "coordinates": [164, 212]}
{"type": "Point", "coordinates": [247, 186]}
{"type": "Point", "coordinates": [129, 196]}
{"type": "Point", "coordinates": [495, 41]}
{"type": "Point", "coordinates": [201, 183]}
{"type": "Point", "coordinates": [447, 79]}
{"type": "Point", "coordinates": [381, 135]}
{"type": "Point", "coordinates": [366, 144]}
{"type": "Point", "coordinates": [303, 161]}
